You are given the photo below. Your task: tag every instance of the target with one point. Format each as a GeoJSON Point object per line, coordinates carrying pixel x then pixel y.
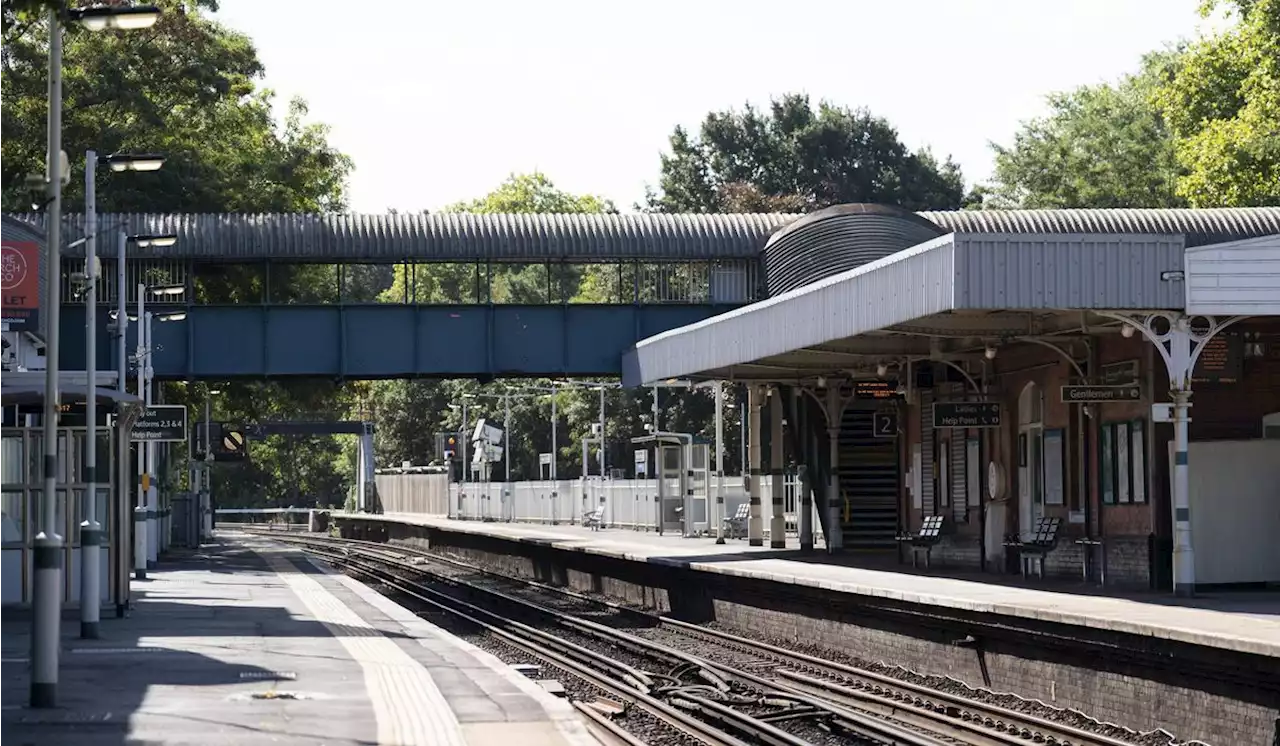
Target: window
{"type": "Point", "coordinates": [11, 517]}
{"type": "Point", "coordinates": [1054, 461]}
{"type": "Point", "coordinates": [1122, 462]}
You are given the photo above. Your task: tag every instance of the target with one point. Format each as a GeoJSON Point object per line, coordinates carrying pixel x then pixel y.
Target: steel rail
{"type": "Point", "coordinates": [999, 726]}
{"type": "Point", "coordinates": [860, 723]}
{"type": "Point", "coordinates": [689, 725]}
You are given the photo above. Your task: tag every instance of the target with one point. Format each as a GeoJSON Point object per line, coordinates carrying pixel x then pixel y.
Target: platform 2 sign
{"type": "Point", "coordinates": [957, 414]}
{"type": "Point", "coordinates": [1082, 394]}
{"type": "Point", "coordinates": [161, 423]}
{"type": "Point", "coordinates": [884, 424]}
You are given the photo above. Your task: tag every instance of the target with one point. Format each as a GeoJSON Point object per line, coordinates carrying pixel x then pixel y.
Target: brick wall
{"type": "Point", "coordinates": [1122, 679]}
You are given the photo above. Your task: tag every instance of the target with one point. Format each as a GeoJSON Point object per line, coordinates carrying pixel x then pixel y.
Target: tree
{"type": "Point", "coordinates": [1222, 102]}
{"type": "Point", "coordinates": [1100, 146]}
{"type": "Point", "coordinates": [187, 88]}
{"type": "Point", "coordinates": [184, 88]}
{"type": "Point", "coordinates": [14, 13]}
{"type": "Point", "coordinates": [797, 158]}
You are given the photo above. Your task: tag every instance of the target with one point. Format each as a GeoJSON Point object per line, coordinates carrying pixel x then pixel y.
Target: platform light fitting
{"type": "Point", "coordinates": [822, 382]}
{"type": "Point", "coordinates": [102, 16]}
{"type": "Point", "coordinates": [882, 370]}
{"type": "Point", "coordinates": [148, 240]}
{"type": "Point", "coordinates": [168, 289]}
{"type": "Point", "coordinates": [990, 352]}
{"type": "Point", "coordinates": [134, 161]}
{"type": "Point", "coordinates": [175, 316]}
{"type": "Point", "coordinates": [1126, 330]}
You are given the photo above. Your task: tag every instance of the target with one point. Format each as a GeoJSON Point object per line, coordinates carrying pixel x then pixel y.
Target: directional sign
{"type": "Point", "coordinates": [161, 423]}
{"type": "Point", "coordinates": [1080, 394]}
{"type": "Point", "coordinates": [966, 414]}
{"type": "Point", "coordinates": [884, 424]}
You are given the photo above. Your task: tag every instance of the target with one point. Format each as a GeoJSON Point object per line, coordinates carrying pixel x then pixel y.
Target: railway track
{"type": "Point", "coordinates": [822, 701]}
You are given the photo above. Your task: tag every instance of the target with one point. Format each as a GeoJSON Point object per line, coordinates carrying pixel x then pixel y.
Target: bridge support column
{"type": "Point", "coordinates": [755, 522]}
{"type": "Point", "coordinates": [365, 463]}
{"type": "Point", "coordinates": [777, 472]}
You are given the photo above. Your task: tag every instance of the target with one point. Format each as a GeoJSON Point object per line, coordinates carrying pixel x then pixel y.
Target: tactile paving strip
{"type": "Point", "coordinates": [409, 707]}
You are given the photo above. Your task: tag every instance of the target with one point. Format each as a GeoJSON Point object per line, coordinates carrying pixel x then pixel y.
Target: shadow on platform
{"type": "Point", "coordinates": [154, 652]}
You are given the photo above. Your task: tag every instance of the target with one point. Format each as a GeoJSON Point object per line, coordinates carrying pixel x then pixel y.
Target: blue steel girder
{"type": "Point", "coordinates": [219, 342]}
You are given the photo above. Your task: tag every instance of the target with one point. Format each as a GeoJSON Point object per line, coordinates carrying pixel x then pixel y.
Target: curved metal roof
{"type": "Point", "coordinates": [837, 239]}
{"type": "Point", "coordinates": [1200, 226]}
{"type": "Point", "coordinates": [237, 237]}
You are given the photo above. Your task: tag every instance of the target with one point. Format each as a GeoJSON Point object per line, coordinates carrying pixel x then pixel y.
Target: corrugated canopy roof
{"type": "Point", "coordinates": [445, 237]}
{"type": "Point", "coordinates": [1200, 227]}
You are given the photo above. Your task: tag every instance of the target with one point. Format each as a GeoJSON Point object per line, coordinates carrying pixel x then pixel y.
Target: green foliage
{"type": "Point", "coordinates": [1100, 146]}
{"type": "Point", "coordinates": [1222, 101]}
{"type": "Point", "coordinates": [796, 158]}
{"type": "Point", "coordinates": [1198, 126]}
{"type": "Point", "coordinates": [187, 88]}
{"type": "Point", "coordinates": [533, 193]}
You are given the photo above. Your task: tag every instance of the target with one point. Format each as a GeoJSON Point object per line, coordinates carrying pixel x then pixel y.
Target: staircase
{"type": "Point", "coordinates": [869, 474]}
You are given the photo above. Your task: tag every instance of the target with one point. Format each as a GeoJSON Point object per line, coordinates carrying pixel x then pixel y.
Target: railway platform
{"type": "Point", "coordinates": [248, 642]}
{"type": "Point", "coordinates": [1240, 622]}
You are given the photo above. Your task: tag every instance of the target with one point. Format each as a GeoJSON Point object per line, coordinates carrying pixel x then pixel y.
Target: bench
{"type": "Point", "coordinates": [1044, 539]}
{"type": "Point", "coordinates": [593, 519]}
{"type": "Point", "coordinates": [736, 525]}
{"type": "Point", "coordinates": [930, 534]}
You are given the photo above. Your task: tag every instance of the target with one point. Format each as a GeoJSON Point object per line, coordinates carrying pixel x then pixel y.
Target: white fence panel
{"type": "Point", "coordinates": [627, 503]}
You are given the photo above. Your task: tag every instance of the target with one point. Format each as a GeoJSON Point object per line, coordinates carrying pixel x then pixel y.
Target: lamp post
{"type": "Point", "coordinates": [90, 529]}
{"type": "Point", "coordinates": [47, 555]}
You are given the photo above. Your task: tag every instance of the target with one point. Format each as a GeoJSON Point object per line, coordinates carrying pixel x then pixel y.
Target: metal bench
{"type": "Point", "coordinates": [924, 541]}
{"type": "Point", "coordinates": [593, 519]}
{"type": "Point", "coordinates": [1044, 539]}
{"type": "Point", "coordinates": [736, 525]}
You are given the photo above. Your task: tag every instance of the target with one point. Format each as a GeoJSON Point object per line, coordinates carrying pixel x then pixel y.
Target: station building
{"type": "Point", "coordinates": [1009, 378]}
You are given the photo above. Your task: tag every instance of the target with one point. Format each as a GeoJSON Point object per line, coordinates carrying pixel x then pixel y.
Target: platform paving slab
{"type": "Point", "coordinates": [1241, 622]}
{"type": "Point", "coordinates": [244, 643]}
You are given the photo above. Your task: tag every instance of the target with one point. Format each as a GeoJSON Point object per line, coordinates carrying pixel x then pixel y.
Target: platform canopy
{"type": "Point", "coordinates": [958, 295]}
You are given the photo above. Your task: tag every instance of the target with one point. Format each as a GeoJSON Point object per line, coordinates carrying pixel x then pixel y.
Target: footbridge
{"type": "Point", "coordinates": [394, 296]}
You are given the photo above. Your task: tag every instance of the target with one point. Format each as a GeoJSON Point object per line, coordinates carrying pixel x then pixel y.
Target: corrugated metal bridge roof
{"type": "Point", "coordinates": [236, 237]}
{"type": "Point", "coordinates": [442, 237]}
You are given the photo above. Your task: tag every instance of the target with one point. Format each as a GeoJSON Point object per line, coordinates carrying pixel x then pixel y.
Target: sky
{"type": "Point", "coordinates": [439, 102]}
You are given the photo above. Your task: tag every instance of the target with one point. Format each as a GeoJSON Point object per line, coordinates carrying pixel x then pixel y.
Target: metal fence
{"type": "Point", "coordinates": [626, 503]}
{"type": "Point", "coordinates": [422, 494]}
